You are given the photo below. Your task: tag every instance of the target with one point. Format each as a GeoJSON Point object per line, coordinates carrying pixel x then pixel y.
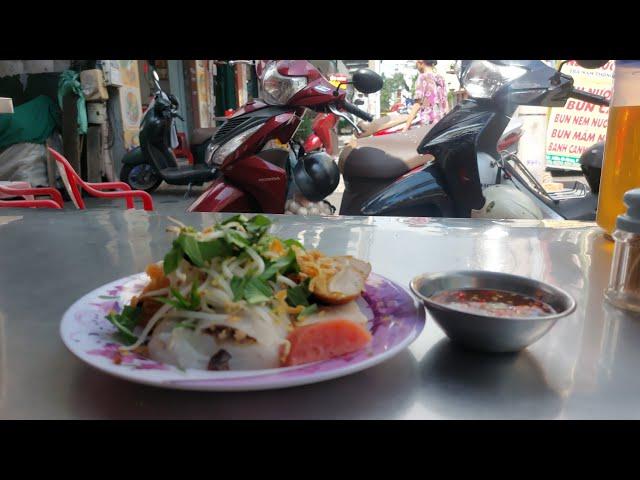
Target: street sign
{"type": "Point", "coordinates": [577, 126]}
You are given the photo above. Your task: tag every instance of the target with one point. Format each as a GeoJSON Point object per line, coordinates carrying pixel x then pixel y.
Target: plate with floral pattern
{"type": "Point", "coordinates": [395, 321]}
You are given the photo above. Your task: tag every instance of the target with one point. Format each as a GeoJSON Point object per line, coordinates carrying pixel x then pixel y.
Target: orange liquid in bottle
{"type": "Point", "coordinates": [621, 166]}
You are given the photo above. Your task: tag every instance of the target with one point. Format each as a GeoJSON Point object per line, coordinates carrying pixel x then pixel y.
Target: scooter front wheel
{"type": "Point", "coordinates": [141, 177]}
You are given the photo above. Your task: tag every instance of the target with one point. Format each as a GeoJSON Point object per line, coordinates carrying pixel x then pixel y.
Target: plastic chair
{"type": "Point", "coordinates": [14, 185]}
{"type": "Point", "coordinates": [23, 189]}
{"type": "Point", "coordinates": [72, 180]}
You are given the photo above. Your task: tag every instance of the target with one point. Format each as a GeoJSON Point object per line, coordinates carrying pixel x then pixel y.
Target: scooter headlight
{"type": "Point", "coordinates": [219, 153]}
{"type": "Point", "coordinates": [483, 78]}
{"type": "Point", "coordinates": [278, 89]}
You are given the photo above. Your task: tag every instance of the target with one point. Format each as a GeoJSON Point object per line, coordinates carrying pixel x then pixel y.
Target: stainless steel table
{"type": "Point", "coordinates": [586, 367]}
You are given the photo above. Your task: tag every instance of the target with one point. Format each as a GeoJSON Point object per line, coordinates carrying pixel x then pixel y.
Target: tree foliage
{"type": "Point", "coordinates": [390, 87]}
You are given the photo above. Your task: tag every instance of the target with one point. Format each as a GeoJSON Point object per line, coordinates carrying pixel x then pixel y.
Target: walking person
{"type": "Point", "coordinates": [430, 97]}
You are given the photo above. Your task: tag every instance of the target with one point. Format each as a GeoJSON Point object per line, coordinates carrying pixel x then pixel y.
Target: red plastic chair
{"type": "Point", "coordinates": [8, 190]}
{"type": "Point", "coordinates": [72, 180]}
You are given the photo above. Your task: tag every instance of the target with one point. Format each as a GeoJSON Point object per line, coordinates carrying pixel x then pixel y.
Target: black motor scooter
{"type": "Point", "coordinates": [458, 158]}
{"type": "Point", "coordinates": [147, 166]}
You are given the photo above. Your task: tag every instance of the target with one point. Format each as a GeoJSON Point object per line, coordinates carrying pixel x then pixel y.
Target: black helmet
{"type": "Point", "coordinates": [591, 165]}
{"type": "Point", "coordinates": [316, 175]}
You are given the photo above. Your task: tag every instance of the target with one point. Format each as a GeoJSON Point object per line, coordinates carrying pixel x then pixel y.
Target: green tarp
{"type": "Point", "coordinates": [69, 83]}
{"type": "Point", "coordinates": [31, 122]}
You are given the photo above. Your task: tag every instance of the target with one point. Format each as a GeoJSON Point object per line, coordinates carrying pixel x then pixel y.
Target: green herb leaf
{"type": "Point", "coordinates": [125, 322]}
{"type": "Point", "coordinates": [183, 301]}
{"type": "Point", "coordinates": [214, 248]}
{"type": "Point", "coordinates": [236, 239]}
{"type": "Point", "coordinates": [191, 249]}
{"type": "Point", "coordinates": [310, 310]}
{"type": "Point", "coordinates": [237, 287]}
{"type": "Point", "coordinates": [290, 242]}
{"type": "Point", "coordinates": [236, 218]}
{"type": "Point", "coordinates": [299, 295]}
{"type": "Point", "coordinates": [258, 225]}
{"type": "Point", "coordinates": [282, 265]}
{"type": "Point", "coordinates": [257, 291]}
{"type": "Point", "coordinates": [172, 259]}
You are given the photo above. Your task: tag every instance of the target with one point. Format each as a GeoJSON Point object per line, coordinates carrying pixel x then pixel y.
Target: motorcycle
{"type": "Point", "coordinates": [154, 161]}
{"type": "Point", "coordinates": [457, 170]}
{"type": "Point", "coordinates": [254, 173]}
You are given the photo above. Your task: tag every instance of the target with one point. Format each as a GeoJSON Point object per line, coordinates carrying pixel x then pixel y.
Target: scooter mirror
{"type": "Point", "coordinates": [367, 81]}
{"type": "Point", "coordinates": [591, 64]}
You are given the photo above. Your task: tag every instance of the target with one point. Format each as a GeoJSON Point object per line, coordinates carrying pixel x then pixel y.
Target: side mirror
{"type": "Point", "coordinates": [358, 101]}
{"type": "Point", "coordinates": [592, 64]}
{"type": "Point", "coordinates": [367, 81]}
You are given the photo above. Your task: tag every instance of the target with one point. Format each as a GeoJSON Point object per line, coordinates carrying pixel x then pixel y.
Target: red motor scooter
{"type": "Point", "coordinates": [252, 174]}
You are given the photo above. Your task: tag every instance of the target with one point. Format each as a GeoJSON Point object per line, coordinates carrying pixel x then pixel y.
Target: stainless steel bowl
{"type": "Point", "coordinates": [485, 332]}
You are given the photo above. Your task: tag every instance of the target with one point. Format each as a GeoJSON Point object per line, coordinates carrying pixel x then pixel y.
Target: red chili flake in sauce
{"type": "Point", "coordinates": [498, 303]}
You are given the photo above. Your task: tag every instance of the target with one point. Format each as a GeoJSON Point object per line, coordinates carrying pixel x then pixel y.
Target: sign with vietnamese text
{"type": "Point", "coordinates": [577, 126]}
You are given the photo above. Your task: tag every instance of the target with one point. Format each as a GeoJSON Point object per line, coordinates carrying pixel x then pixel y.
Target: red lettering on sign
{"type": "Point", "coordinates": [557, 133]}
{"type": "Point", "coordinates": [584, 136]}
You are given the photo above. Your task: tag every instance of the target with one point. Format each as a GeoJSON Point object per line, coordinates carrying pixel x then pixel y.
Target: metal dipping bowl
{"type": "Point", "coordinates": [485, 332]}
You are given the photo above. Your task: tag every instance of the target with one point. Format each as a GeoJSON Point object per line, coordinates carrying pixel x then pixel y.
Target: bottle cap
{"type": "Point", "coordinates": [630, 221]}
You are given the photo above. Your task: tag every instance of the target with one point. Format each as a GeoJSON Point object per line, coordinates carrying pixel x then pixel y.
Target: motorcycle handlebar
{"type": "Point", "coordinates": [351, 108]}
{"type": "Point", "coordinates": [589, 97]}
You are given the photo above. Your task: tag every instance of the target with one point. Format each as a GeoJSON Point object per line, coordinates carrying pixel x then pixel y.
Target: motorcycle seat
{"type": "Point", "coordinates": [201, 135]}
{"type": "Point", "coordinates": [197, 174]}
{"type": "Point", "coordinates": [387, 156]}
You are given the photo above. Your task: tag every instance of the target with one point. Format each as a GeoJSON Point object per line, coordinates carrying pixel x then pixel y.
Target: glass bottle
{"type": "Point", "coordinates": [621, 165]}
{"type": "Point", "coordinates": [624, 281]}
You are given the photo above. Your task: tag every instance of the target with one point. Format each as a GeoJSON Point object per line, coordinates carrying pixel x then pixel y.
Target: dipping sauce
{"type": "Point", "coordinates": [497, 303]}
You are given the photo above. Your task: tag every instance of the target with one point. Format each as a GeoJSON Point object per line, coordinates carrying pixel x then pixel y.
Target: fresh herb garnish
{"type": "Point", "coordinates": [125, 322]}
{"type": "Point", "coordinates": [191, 249]}
{"type": "Point", "coordinates": [172, 259]}
{"type": "Point", "coordinates": [237, 287]}
{"type": "Point", "coordinates": [252, 289]}
{"type": "Point", "coordinates": [180, 302]}
{"type": "Point", "coordinates": [283, 265]}
{"type": "Point", "coordinates": [214, 248]}
{"type": "Point", "coordinates": [291, 242]}
{"type": "Point", "coordinates": [241, 219]}
{"type": "Point", "coordinates": [299, 295]}
{"type": "Point", "coordinates": [235, 238]}
{"type": "Point", "coordinates": [257, 291]}
{"type": "Point", "coordinates": [258, 225]}
{"type": "Point", "coordinates": [194, 251]}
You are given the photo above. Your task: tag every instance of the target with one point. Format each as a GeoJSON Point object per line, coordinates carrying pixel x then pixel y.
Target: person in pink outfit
{"type": "Point", "coordinates": [430, 97]}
